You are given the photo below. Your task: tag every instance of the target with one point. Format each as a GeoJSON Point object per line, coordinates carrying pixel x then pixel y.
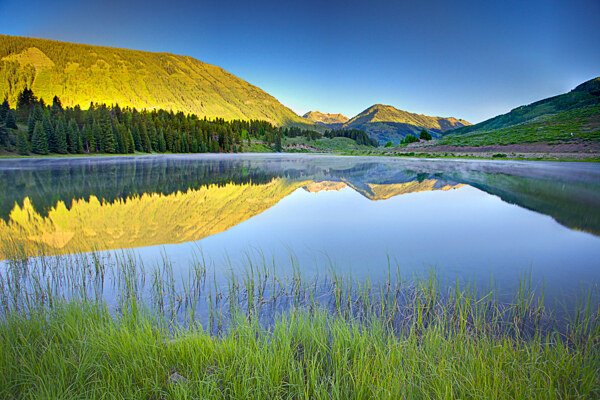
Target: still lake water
{"type": "Point", "coordinates": [474, 221]}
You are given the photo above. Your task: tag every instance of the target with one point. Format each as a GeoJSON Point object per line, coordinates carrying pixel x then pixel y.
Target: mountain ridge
{"type": "Point", "coordinates": [387, 123]}
{"type": "Point", "coordinates": [330, 120]}
{"type": "Point", "coordinates": [81, 73]}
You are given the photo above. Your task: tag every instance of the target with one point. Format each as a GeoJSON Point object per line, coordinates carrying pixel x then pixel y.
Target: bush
{"type": "Point", "coordinates": [409, 139]}
{"type": "Point", "coordinates": [425, 135]}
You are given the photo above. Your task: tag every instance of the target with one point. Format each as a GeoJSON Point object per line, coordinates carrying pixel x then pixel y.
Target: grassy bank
{"type": "Point", "coordinates": [266, 336]}
{"type": "Point", "coordinates": [79, 351]}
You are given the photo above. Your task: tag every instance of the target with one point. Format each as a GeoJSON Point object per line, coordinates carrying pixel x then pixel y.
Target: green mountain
{"type": "Point", "coordinates": [80, 74]}
{"type": "Point", "coordinates": [386, 123]}
{"type": "Point", "coordinates": [554, 118]}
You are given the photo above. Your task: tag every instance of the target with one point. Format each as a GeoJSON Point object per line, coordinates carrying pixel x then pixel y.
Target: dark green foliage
{"type": "Point", "coordinates": [389, 144]}
{"type": "Point", "coordinates": [409, 139]}
{"type": "Point", "coordinates": [89, 143]}
{"type": "Point", "coordinates": [36, 116]}
{"type": "Point", "coordinates": [10, 120]}
{"type": "Point", "coordinates": [56, 104]}
{"type": "Point", "coordinates": [25, 102]}
{"type": "Point", "coordinates": [74, 145]}
{"type": "Point", "coordinates": [105, 127]}
{"type": "Point", "coordinates": [60, 137]}
{"type": "Point", "coordinates": [359, 136]}
{"type": "Point", "coordinates": [424, 135]}
{"type": "Point", "coordinates": [22, 144]}
{"type": "Point", "coordinates": [101, 129]}
{"type": "Point", "coordinates": [162, 144]}
{"type": "Point", "coordinates": [50, 136]}
{"type": "Point", "coordinates": [278, 143]}
{"type": "Point", "coordinates": [39, 141]}
{"type": "Point", "coordinates": [3, 136]}
{"type": "Point", "coordinates": [4, 108]}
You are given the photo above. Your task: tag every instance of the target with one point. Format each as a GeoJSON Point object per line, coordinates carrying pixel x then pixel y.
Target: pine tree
{"type": "Point", "coordinates": [153, 137]}
{"type": "Point", "coordinates": [74, 136]}
{"type": "Point", "coordinates": [87, 135]}
{"type": "Point", "coordinates": [130, 142]}
{"type": "Point", "coordinates": [50, 135]}
{"type": "Point", "coordinates": [71, 138]}
{"type": "Point", "coordinates": [22, 144]}
{"type": "Point", "coordinates": [4, 109]}
{"type": "Point", "coordinates": [56, 105]}
{"type": "Point", "coordinates": [162, 144]}
{"type": "Point", "coordinates": [25, 102]}
{"type": "Point", "coordinates": [97, 137]}
{"type": "Point", "coordinates": [37, 115]}
{"type": "Point", "coordinates": [39, 141]}
{"type": "Point", "coordinates": [10, 120]}
{"type": "Point", "coordinates": [137, 139]}
{"type": "Point", "coordinates": [106, 131]}
{"type": "Point", "coordinates": [60, 136]}
{"type": "Point", "coordinates": [3, 136]}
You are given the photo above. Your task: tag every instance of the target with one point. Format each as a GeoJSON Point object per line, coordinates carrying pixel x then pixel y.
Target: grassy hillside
{"type": "Point", "coordinates": [574, 125]}
{"type": "Point", "coordinates": [80, 74]}
{"type": "Point", "coordinates": [585, 95]}
{"type": "Point", "coordinates": [386, 123]}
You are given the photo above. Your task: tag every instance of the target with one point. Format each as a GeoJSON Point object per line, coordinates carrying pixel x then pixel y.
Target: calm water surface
{"type": "Point", "coordinates": [475, 221]}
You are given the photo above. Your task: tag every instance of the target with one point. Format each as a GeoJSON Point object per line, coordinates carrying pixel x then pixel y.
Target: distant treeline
{"type": "Point", "coordinates": [114, 130]}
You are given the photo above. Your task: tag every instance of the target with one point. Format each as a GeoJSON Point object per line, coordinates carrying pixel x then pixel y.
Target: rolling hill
{"type": "Point", "coordinates": [569, 116]}
{"type": "Point", "coordinates": [386, 123]}
{"type": "Point", "coordinates": [80, 74]}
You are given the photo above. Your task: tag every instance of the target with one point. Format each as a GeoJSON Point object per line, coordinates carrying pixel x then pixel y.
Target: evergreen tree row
{"type": "Point", "coordinates": [102, 129]}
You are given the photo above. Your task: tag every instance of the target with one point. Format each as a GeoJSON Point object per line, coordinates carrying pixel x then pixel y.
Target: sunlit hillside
{"type": "Point", "coordinates": [80, 74]}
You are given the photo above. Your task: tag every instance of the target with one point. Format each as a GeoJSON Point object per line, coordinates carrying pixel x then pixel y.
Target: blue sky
{"type": "Point", "coordinates": [467, 59]}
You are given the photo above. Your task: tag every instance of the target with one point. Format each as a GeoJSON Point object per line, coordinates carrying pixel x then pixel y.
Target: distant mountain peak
{"type": "Point", "coordinates": [325, 118]}
{"type": "Point", "coordinates": [385, 122]}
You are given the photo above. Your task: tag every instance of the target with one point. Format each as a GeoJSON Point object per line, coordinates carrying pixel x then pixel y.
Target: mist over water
{"type": "Point", "coordinates": [475, 221]}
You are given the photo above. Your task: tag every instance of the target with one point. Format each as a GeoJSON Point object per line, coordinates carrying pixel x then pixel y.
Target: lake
{"type": "Point", "coordinates": [478, 222]}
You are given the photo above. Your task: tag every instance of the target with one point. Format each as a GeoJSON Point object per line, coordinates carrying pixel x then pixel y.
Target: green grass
{"type": "Point", "coordinates": [586, 94]}
{"type": "Point", "coordinates": [80, 351]}
{"type": "Point", "coordinates": [394, 340]}
{"type": "Point", "coordinates": [583, 122]}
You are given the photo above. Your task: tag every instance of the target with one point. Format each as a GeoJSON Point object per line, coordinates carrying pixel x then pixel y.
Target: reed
{"type": "Point", "coordinates": [104, 325]}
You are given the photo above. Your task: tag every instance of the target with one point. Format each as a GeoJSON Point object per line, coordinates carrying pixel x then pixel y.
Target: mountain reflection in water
{"type": "Point", "coordinates": [98, 204]}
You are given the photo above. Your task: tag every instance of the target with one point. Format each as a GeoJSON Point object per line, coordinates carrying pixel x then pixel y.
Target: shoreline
{"type": "Point", "coordinates": [403, 153]}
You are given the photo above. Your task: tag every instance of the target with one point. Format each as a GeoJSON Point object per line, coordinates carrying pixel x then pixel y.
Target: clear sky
{"type": "Point", "coordinates": [467, 59]}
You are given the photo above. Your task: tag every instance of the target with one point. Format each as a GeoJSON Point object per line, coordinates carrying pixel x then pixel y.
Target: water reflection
{"type": "Point", "coordinates": [97, 204]}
